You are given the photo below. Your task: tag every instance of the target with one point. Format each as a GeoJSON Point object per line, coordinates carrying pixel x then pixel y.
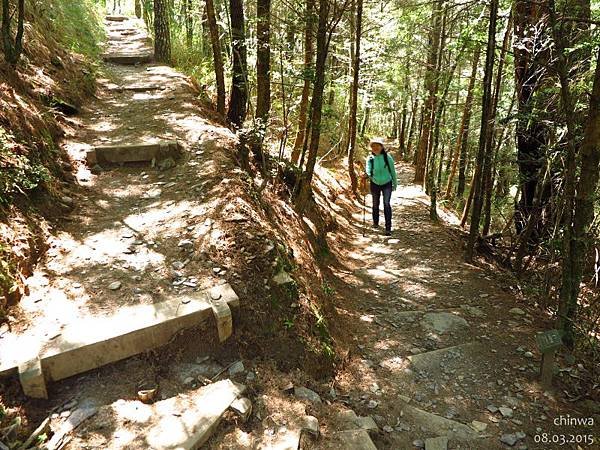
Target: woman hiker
{"type": "Point", "coordinates": [381, 171]}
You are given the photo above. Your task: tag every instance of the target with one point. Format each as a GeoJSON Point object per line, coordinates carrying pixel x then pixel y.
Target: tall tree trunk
{"type": "Point", "coordinates": [189, 22]}
{"type": "Point", "coordinates": [162, 34]}
{"type": "Point", "coordinates": [419, 134]}
{"type": "Point", "coordinates": [402, 125]}
{"type": "Point", "coordinates": [12, 47]}
{"type": "Point", "coordinates": [403, 121]}
{"type": "Point", "coordinates": [483, 161]}
{"type": "Point", "coordinates": [460, 150]}
{"type": "Point", "coordinates": [345, 141]}
{"type": "Point", "coordinates": [439, 107]}
{"type": "Point", "coordinates": [366, 116]}
{"type": "Point", "coordinates": [217, 55]}
{"type": "Point", "coordinates": [573, 264]}
{"type": "Point", "coordinates": [430, 86]}
{"type": "Point", "coordinates": [263, 69]}
{"type": "Point", "coordinates": [414, 117]}
{"type": "Point", "coordinates": [138, 9]}
{"type": "Point", "coordinates": [238, 98]}
{"type": "Point", "coordinates": [488, 182]}
{"type": "Point", "coordinates": [206, 44]}
{"type": "Point", "coordinates": [304, 187]}
{"type": "Point", "coordinates": [574, 236]}
{"type": "Point", "coordinates": [307, 75]}
{"type": "Point", "coordinates": [531, 57]}
{"type": "Point", "coordinates": [354, 97]}
{"type": "Point", "coordinates": [468, 203]}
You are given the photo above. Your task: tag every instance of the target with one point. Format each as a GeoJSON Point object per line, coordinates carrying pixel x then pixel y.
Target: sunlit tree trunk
{"type": "Point", "coordinates": [430, 86]}
{"type": "Point", "coordinates": [414, 117]}
{"type": "Point", "coordinates": [460, 151]}
{"type": "Point", "coordinates": [162, 35]}
{"type": "Point", "coordinates": [312, 145]}
{"type": "Point", "coordinates": [483, 161]}
{"type": "Point", "coordinates": [434, 178]}
{"type": "Point", "coordinates": [438, 110]}
{"type": "Point", "coordinates": [263, 71]}
{"type": "Point", "coordinates": [239, 85]}
{"type": "Point", "coordinates": [217, 55]}
{"type": "Point", "coordinates": [307, 75]}
{"type": "Point", "coordinates": [403, 121]}
{"type": "Point", "coordinates": [488, 181]}
{"type": "Point", "coordinates": [354, 96]}
{"type": "Point", "coordinates": [189, 22]}
{"type": "Point", "coordinates": [366, 116]}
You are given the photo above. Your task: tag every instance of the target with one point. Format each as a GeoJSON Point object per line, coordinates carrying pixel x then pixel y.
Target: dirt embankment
{"type": "Point", "coordinates": [265, 239]}
{"type": "Point", "coordinates": [36, 99]}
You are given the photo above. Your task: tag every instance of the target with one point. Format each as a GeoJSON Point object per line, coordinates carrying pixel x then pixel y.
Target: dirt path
{"type": "Point", "coordinates": [127, 239]}
{"type": "Point", "coordinates": [442, 335]}
{"type": "Point", "coordinates": [438, 344]}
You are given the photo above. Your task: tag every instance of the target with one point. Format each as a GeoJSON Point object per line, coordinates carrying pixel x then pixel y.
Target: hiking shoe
{"type": "Point", "coordinates": [388, 232]}
{"type": "Point", "coordinates": [375, 225]}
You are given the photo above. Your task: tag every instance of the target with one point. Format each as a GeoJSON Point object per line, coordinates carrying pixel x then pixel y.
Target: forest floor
{"type": "Point", "coordinates": [440, 347]}
{"type": "Point", "coordinates": [450, 338]}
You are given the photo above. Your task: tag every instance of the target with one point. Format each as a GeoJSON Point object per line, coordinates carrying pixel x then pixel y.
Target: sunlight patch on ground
{"type": "Point", "coordinates": [168, 214]}
{"type": "Point", "coordinates": [395, 364]}
{"type": "Point", "coordinates": [145, 96]}
{"type": "Point", "coordinates": [104, 126]}
{"type": "Point", "coordinates": [102, 249]}
{"type": "Point", "coordinates": [417, 290]}
{"type": "Point", "coordinates": [135, 412]}
{"type": "Point", "coordinates": [386, 344]}
{"type": "Point", "coordinates": [421, 271]}
{"type": "Point", "coordinates": [380, 249]}
{"type": "Point", "coordinates": [355, 255]}
{"type": "Point", "coordinates": [380, 275]}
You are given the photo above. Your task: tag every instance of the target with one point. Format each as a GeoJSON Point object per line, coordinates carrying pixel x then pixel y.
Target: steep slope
{"type": "Point", "coordinates": [49, 83]}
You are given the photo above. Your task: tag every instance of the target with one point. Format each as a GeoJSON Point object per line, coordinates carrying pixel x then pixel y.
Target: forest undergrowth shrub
{"type": "Point", "coordinates": [19, 174]}
{"type": "Point", "coordinates": [76, 24]}
{"type": "Point", "coordinates": [192, 62]}
{"type": "Point", "coordinates": [7, 280]}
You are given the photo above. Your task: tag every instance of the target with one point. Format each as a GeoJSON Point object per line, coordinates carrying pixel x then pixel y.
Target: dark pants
{"type": "Point", "coordinates": [376, 191]}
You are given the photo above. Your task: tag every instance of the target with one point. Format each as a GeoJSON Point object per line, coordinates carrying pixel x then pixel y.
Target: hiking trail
{"type": "Point", "coordinates": [443, 355]}
{"type": "Point", "coordinates": [445, 347]}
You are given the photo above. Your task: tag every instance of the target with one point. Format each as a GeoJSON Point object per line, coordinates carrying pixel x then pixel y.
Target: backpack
{"type": "Point", "coordinates": [387, 163]}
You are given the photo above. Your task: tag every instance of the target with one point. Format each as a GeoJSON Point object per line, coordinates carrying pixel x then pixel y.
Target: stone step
{"type": "Point", "coordinates": [430, 361]}
{"type": "Point", "coordinates": [124, 153]}
{"type": "Point", "coordinates": [93, 342]}
{"type": "Point", "coordinates": [354, 434]}
{"type": "Point", "coordinates": [351, 440]}
{"type": "Point", "coordinates": [116, 18]}
{"type": "Point", "coordinates": [128, 59]}
{"type": "Point", "coordinates": [437, 426]}
{"type": "Point", "coordinates": [184, 422]}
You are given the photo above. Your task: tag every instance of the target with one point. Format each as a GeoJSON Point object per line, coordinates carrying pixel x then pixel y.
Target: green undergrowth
{"type": "Point", "coordinates": [7, 280]}
{"type": "Point", "coordinates": [77, 25]}
{"type": "Point", "coordinates": [19, 173]}
{"type": "Point", "coordinates": [192, 62]}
